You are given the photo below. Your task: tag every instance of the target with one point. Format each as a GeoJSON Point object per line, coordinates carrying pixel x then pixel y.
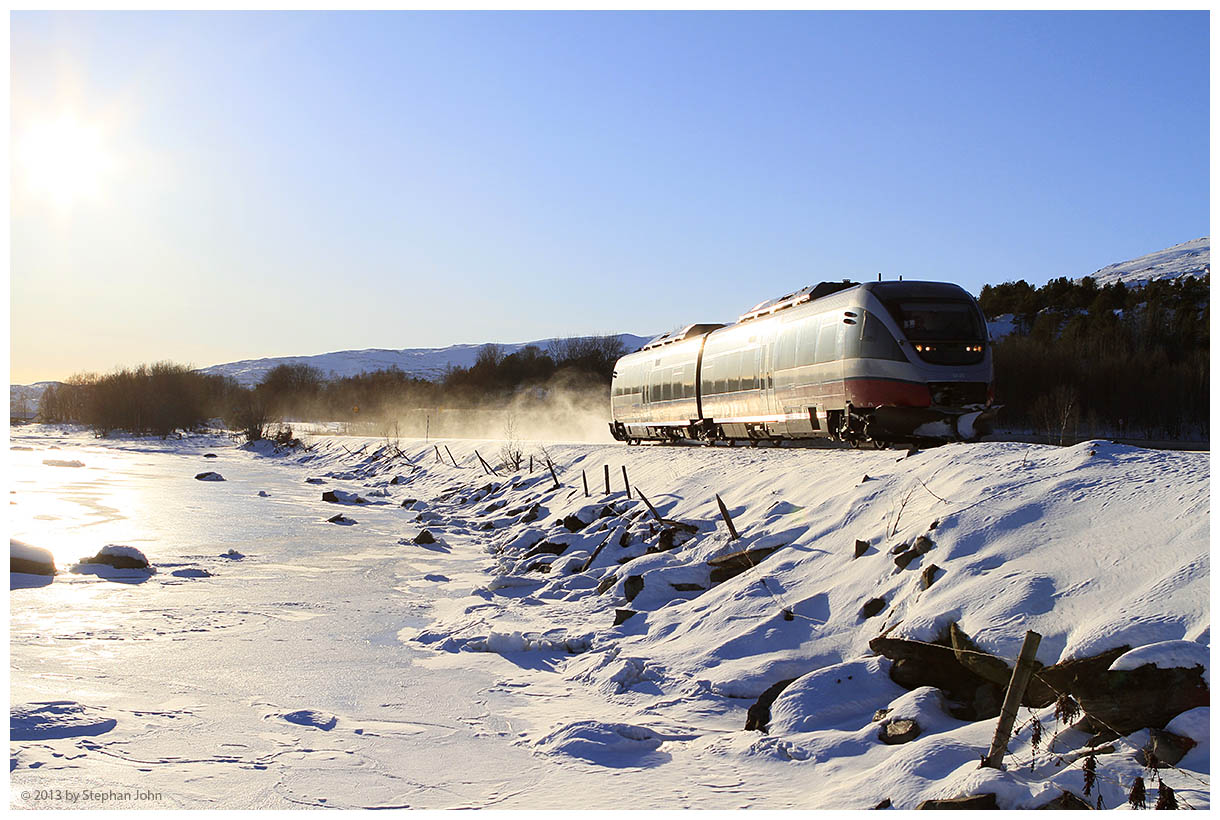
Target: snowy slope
{"type": "Point", "coordinates": [422, 362]}
{"type": "Point", "coordinates": [23, 399]}
{"type": "Point", "coordinates": [1191, 258]}
{"type": "Point", "coordinates": [490, 637]}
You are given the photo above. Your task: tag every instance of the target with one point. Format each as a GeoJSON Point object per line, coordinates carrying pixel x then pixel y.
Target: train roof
{"type": "Point", "coordinates": [682, 334]}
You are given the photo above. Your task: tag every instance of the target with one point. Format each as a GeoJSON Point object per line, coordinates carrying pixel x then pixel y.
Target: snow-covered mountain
{"type": "Point", "coordinates": [422, 362]}
{"type": "Point", "coordinates": [23, 399]}
{"type": "Point", "coordinates": [1191, 258]}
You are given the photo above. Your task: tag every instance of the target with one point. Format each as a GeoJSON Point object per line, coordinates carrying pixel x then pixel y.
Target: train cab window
{"type": "Point", "coordinates": [876, 342]}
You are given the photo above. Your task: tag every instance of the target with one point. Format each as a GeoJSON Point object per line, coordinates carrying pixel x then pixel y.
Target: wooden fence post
{"type": "Point", "coordinates": [585, 479]}
{"type": "Point", "coordinates": [1021, 674]}
{"type": "Point", "coordinates": [626, 483]}
{"type": "Point", "coordinates": [606, 469]}
{"type": "Point", "coordinates": [651, 508]}
{"type": "Point", "coordinates": [451, 458]}
{"type": "Point", "coordinates": [724, 512]}
{"type": "Point", "coordinates": [551, 467]}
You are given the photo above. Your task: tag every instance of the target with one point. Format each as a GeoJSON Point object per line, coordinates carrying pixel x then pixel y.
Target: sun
{"type": "Point", "coordinates": [64, 160]}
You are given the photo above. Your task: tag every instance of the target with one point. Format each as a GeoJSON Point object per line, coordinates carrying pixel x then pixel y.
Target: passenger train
{"type": "Point", "coordinates": [879, 363]}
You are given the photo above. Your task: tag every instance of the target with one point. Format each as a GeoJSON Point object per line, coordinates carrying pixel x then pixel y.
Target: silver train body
{"type": "Point", "coordinates": [880, 362]}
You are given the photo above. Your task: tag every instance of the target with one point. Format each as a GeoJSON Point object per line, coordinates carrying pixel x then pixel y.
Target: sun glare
{"type": "Point", "coordinates": [64, 160]}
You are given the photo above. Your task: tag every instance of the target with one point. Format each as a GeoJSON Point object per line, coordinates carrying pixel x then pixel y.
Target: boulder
{"type": "Point", "coordinates": [735, 563]}
{"type": "Point", "coordinates": [209, 476]}
{"type": "Point", "coordinates": [928, 577]}
{"type": "Point", "coordinates": [969, 803]}
{"type": "Point", "coordinates": [919, 664]}
{"type": "Point", "coordinates": [861, 548]}
{"type": "Point", "coordinates": [1067, 801]}
{"type": "Point", "coordinates": [341, 519]}
{"type": "Point", "coordinates": [1124, 701]}
{"type": "Point", "coordinates": [923, 544]}
{"type": "Point", "coordinates": [425, 537]}
{"type": "Point", "coordinates": [532, 514]}
{"type": "Point", "coordinates": [315, 481]}
{"type": "Point", "coordinates": [29, 559]}
{"type": "Point", "coordinates": [548, 548]}
{"type": "Point", "coordinates": [898, 731]}
{"type": "Point", "coordinates": [119, 557]}
{"type": "Point", "coordinates": [1165, 749]}
{"type": "Point", "coordinates": [872, 607]}
{"type": "Point", "coordinates": [633, 586]}
{"type": "Point", "coordinates": [573, 523]}
{"type": "Point", "coordinates": [902, 559]}
{"type": "Point", "coordinates": [621, 615]}
{"type": "Point", "coordinates": [341, 497]}
{"type": "Point", "coordinates": [408, 502]}
{"type": "Point", "coordinates": [758, 716]}
{"type": "Point", "coordinates": [675, 534]}
{"type": "Point", "coordinates": [606, 583]}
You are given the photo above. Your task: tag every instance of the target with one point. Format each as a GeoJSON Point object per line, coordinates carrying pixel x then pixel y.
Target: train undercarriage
{"type": "Point", "coordinates": [878, 427]}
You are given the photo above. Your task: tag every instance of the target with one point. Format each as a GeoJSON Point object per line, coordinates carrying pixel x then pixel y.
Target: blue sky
{"type": "Point", "coordinates": [297, 183]}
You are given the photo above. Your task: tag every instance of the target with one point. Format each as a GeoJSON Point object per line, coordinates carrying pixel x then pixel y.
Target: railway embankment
{"type": "Point", "coordinates": [853, 613]}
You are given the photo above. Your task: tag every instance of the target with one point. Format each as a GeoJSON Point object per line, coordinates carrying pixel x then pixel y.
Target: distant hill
{"type": "Point", "coordinates": [1191, 258]}
{"type": "Point", "coordinates": [23, 399]}
{"type": "Point", "coordinates": [421, 362]}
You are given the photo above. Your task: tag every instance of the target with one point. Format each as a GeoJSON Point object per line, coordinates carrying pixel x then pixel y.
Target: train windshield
{"type": "Point", "coordinates": [937, 320]}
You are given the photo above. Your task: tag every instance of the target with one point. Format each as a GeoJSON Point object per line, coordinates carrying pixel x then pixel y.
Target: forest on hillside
{"type": "Point", "coordinates": [1103, 361]}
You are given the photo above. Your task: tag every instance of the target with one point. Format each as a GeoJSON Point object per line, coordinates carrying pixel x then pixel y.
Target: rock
{"type": "Point", "coordinates": [493, 506]}
{"type": "Point", "coordinates": [881, 714]}
{"type": "Point", "coordinates": [633, 586]}
{"type": "Point", "coordinates": [606, 583]}
{"type": "Point", "coordinates": [928, 576]}
{"type": "Point", "coordinates": [934, 524]}
{"type": "Point", "coordinates": [884, 804]}
{"type": "Point", "coordinates": [968, 654]}
{"type": "Point", "coordinates": [548, 548]}
{"type": "Point", "coordinates": [487, 525]}
{"type": "Point", "coordinates": [232, 555]}
{"type": "Point", "coordinates": [341, 519]}
{"type": "Point", "coordinates": [901, 548]}
{"type": "Point", "coordinates": [675, 535]}
{"type": "Point", "coordinates": [861, 548]}
{"type": "Point", "coordinates": [119, 557]}
{"type": "Point", "coordinates": [209, 455]}
{"type": "Point", "coordinates": [1044, 687]}
{"type": "Point", "coordinates": [209, 476]}
{"type": "Point", "coordinates": [919, 664]}
{"type": "Point", "coordinates": [974, 801]}
{"type": "Point", "coordinates": [735, 563]}
{"type": "Point", "coordinates": [758, 716]}
{"type": "Point", "coordinates": [29, 559]}
{"type": "Point", "coordinates": [589, 561]}
{"type": "Point", "coordinates": [1149, 697]}
{"type": "Point", "coordinates": [263, 494]}
{"type": "Point", "coordinates": [923, 544]}
{"type": "Point", "coordinates": [867, 477]}
{"type": "Point", "coordinates": [902, 559]}
{"type": "Point", "coordinates": [688, 587]}
{"type": "Point", "coordinates": [1165, 749]}
{"type": "Point", "coordinates": [573, 523]}
{"type": "Point", "coordinates": [1067, 800]}
{"type": "Point", "coordinates": [532, 514]}
{"type": "Point", "coordinates": [898, 731]}
{"type": "Point", "coordinates": [408, 502]}
{"type": "Point", "coordinates": [987, 701]}
{"type": "Point", "coordinates": [341, 497]}
{"type": "Point", "coordinates": [871, 607]}
{"type": "Point", "coordinates": [621, 615]}
{"type": "Point", "coordinates": [424, 537]}
{"type": "Point", "coordinates": [315, 481]}
{"type": "Point", "coordinates": [399, 479]}
{"type": "Point", "coordinates": [625, 539]}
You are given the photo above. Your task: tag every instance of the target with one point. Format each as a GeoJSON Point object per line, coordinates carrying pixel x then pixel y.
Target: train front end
{"type": "Point", "coordinates": [933, 379]}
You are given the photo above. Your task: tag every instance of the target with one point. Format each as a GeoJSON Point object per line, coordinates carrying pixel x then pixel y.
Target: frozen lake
{"type": "Point", "coordinates": [210, 668]}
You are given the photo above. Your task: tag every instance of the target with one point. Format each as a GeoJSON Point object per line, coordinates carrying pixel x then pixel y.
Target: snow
{"type": "Point", "coordinates": [1167, 655]}
{"type": "Point", "coordinates": [1191, 258]}
{"type": "Point", "coordinates": [427, 659]}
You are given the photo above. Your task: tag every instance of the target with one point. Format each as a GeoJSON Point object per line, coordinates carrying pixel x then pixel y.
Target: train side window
{"type": "Point", "coordinates": [785, 346]}
{"type": "Point", "coordinates": [828, 334]}
{"type": "Point", "coordinates": [719, 369]}
{"type": "Point", "coordinates": [806, 351]}
{"type": "Point", "coordinates": [876, 342]}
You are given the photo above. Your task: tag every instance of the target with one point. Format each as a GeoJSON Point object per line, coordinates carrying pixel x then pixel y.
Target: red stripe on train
{"type": "Point", "coordinates": [887, 392]}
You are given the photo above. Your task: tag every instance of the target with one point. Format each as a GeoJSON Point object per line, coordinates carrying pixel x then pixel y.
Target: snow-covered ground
{"type": "Point", "coordinates": [275, 659]}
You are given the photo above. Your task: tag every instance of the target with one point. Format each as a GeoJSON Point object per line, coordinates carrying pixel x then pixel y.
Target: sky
{"type": "Point", "coordinates": [206, 187]}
